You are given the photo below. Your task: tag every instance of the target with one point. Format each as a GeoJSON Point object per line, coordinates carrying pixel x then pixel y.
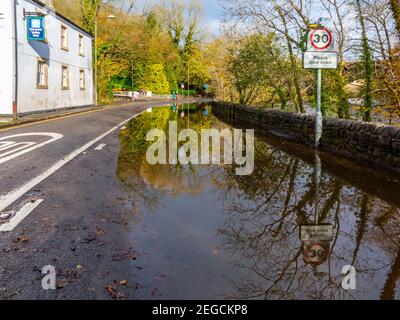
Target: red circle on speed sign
{"type": "Point", "coordinates": [321, 39]}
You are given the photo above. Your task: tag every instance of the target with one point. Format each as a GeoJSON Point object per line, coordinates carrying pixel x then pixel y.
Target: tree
{"type": "Point", "coordinates": [293, 59]}
{"type": "Point", "coordinates": [246, 66]}
{"type": "Point", "coordinates": [155, 79]}
{"type": "Point", "coordinates": [256, 64]}
{"type": "Point", "coordinates": [366, 58]}
{"type": "Point", "coordinates": [395, 6]}
{"type": "Point", "coordinates": [289, 21]}
{"type": "Point", "coordinates": [107, 69]}
{"type": "Point", "coordinates": [182, 22]}
{"type": "Point", "coordinates": [70, 9]}
{"type": "Point", "coordinates": [386, 71]}
{"type": "Point", "coordinates": [337, 9]}
{"type": "Point", "coordinates": [89, 11]}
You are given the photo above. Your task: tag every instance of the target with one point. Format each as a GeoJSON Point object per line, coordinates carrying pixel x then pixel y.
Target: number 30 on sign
{"type": "Point", "coordinates": [320, 40]}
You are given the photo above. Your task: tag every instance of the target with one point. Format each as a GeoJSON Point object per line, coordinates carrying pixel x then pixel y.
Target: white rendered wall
{"type": "Point", "coordinates": [30, 98]}
{"type": "Point", "coordinates": [6, 57]}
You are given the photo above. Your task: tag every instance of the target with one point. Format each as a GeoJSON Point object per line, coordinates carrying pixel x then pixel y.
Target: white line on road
{"type": "Point", "coordinates": [21, 146]}
{"type": "Point", "coordinates": [5, 144]}
{"type": "Point", "coordinates": [11, 197]}
{"type": "Point", "coordinates": [29, 146]}
{"type": "Point", "coordinates": [20, 215]}
{"type": "Point", "coordinates": [100, 147]}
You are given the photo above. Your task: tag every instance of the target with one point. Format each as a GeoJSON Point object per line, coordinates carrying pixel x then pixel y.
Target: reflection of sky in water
{"type": "Point", "coordinates": [206, 233]}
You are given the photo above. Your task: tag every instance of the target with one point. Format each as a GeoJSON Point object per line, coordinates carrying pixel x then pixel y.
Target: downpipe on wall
{"type": "Point", "coordinates": [15, 102]}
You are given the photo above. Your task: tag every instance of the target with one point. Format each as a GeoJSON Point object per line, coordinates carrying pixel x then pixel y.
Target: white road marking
{"type": "Point", "coordinates": [20, 145]}
{"type": "Point", "coordinates": [5, 144]}
{"type": "Point", "coordinates": [20, 215]}
{"type": "Point", "coordinates": [100, 147]}
{"type": "Point", "coordinates": [11, 197]}
{"type": "Point", "coordinates": [28, 146]}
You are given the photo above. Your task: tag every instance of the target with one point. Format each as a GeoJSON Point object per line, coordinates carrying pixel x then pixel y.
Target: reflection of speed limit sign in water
{"type": "Point", "coordinates": [316, 252]}
{"type": "Point", "coordinates": [320, 40]}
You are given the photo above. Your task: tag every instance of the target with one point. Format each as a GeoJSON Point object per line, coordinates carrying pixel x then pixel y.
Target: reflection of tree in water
{"type": "Point", "coordinates": [147, 182]}
{"type": "Point", "coordinates": [264, 212]}
{"type": "Point", "coordinates": [262, 232]}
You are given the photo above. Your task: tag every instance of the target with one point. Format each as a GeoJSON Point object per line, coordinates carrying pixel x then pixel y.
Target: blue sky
{"type": "Point", "coordinates": [213, 9]}
{"type": "Point", "coordinates": [213, 12]}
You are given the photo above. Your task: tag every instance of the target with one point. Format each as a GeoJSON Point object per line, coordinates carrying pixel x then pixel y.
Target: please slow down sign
{"type": "Point", "coordinates": [320, 60]}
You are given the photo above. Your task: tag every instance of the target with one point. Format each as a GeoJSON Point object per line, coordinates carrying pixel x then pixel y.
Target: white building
{"type": "Point", "coordinates": [38, 76]}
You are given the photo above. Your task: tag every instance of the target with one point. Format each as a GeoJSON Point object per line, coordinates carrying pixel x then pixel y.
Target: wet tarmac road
{"type": "Point", "coordinates": [61, 204]}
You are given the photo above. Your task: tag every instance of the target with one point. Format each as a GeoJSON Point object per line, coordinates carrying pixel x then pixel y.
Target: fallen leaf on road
{"type": "Point", "coordinates": [100, 232]}
{"type": "Point", "coordinates": [60, 284]}
{"type": "Point", "coordinates": [21, 240]}
{"type": "Point", "coordinates": [128, 255]}
{"type": "Point", "coordinates": [124, 282]}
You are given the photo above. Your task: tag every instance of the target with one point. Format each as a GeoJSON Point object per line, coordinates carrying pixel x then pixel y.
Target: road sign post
{"type": "Point", "coordinates": [319, 121]}
{"type": "Point", "coordinates": [320, 54]}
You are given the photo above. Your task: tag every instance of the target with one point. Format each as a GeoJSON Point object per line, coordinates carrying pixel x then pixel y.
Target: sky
{"type": "Point", "coordinates": [212, 10]}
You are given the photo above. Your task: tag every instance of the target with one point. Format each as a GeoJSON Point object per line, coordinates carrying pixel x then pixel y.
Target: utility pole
{"type": "Point", "coordinates": [95, 62]}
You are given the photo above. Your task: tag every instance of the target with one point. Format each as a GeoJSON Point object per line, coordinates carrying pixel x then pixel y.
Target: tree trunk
{"type": "Point", "coordinates": [368, 69]}
{"type": "Point", "coordinates": [293, 62]}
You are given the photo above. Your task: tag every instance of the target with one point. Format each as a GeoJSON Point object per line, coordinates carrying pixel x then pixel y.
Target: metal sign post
{"type": "Point", "coordinates": [320, 54]}
{"type": "Point", "coordinates": [318, 113]}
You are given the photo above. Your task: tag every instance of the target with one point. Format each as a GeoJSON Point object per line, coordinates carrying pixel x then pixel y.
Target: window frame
{"type": "Point", "coordinates": [45, 74]}
{"type": "Point", "coordinates": [64, 28]}
{"type": "Point", "coordinates": [67, 87]}
{"type": "Point", "coordinates": [82, 71]}
{"type": "Point", "coordinates": [81, 45]}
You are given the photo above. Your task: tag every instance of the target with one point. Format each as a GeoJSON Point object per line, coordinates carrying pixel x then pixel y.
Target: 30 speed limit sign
{"type": "Point", "coordinates": [321, 51]}
{"type": "Point", "coordinates": [320, 39]}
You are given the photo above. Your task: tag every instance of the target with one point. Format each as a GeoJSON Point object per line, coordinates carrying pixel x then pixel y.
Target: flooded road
{"type": "Point", "coordinates": [203, 232]}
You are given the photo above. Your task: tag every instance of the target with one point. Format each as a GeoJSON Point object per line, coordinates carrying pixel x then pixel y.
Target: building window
{"type": "Point", "coordinates": [65, 77]}
{"type": "Point", "coordinates": [82, 80]}
{"type": "Point", "coordinates": [64, 37]}
{"type": "Point", "coordinates": [42, 74]}
{"type": "Point", "coordinates": [81, 46]}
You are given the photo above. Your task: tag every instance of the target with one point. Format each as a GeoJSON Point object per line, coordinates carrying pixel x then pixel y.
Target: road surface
{"type": "Point", "coordinates": [62, 205]}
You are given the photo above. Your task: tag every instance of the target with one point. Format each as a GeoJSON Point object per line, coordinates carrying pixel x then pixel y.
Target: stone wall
{"type": "Point", "coordinates": [374, 143]}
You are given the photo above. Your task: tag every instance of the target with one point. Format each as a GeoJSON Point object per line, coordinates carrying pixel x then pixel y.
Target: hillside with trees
{"type": "Point", "coordinates": [255, 58]}
{"type": "Point", "coordinates": [156, 50]}
{"type": "Point", "coordinates": [366, 84]}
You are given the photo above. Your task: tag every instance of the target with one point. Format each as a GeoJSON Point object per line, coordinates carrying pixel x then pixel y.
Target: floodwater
{"type": "Point", "coordinates": [202, 232]}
